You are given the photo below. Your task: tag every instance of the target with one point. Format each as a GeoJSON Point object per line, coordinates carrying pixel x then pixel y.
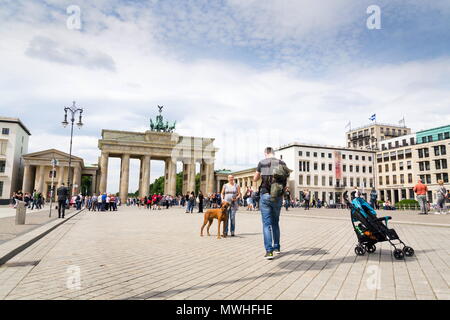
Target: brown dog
{"type": "Point", "coordinates": [221, 214]}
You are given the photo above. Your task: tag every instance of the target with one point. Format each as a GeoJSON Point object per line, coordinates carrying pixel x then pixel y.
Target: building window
{"type": "Point", "coordinates": [443, 150]}
{"type": "Point", "coordinates": [364, 169]}
{"type": "Point", "coordinates": [324, 181]}
{"type": "Point", "coordinates": [344, 168]}
{"type": "Point", "coordinates": [386, 167]}
{"type": "Point", "coordinates": [357, 168]}
{"type": "Point", "coordinates": [1, 188]}
{"type": "Point", "coordinates": [322, 154]}
{"type": "Point", "coordinates": [387, 179]}
{"type": "Point", "coordinates": [410, 178]}
{"type": "Point", "coordinates": [380, 168]}
{"type": "Point", "coordinates": [308, 153]}
{"type": "Point", "coordinates": [394, 167]}
{"type": "Point", "coordinates": [300, 179]}
{"type": "Point", "coordinates": [394, 179]}
{"type": "Point", "coordinates": [3, 146]}
{"type": "Point", "coordinates": [351, 168]}
{"type": "Point", "coordinates": [370, 169]}
{"type": "Point", "coordinates": [358, 182]}
{"type": "Point", "coordinates": [446, 135]}
{"type": "Point", "coordinates": [408, 154]}
{"type": "Point", "coordinates": [436, 150]}
{"type": "Point", "coordinates": [380, 181]}
{"type": "Point", "coordinates": [50, 173]}
{"type": "Point", "coordinates": [315, 166]}
{"type": "Point", "coordinates": [356, 157]}
{"type": "Point", "coordinates": [2, 166]}
{"type": "Point", "coordinates": [323, 166]}
{"type": "Point", "coordinates": [329, 155]}
{"type": "Point", "coordinates": [315, 154]}
{"type": "Point", "coordinates": [316, 180]}
{"type": "Point", "coordinates": [350, 157]}
{"type": "Point", "coordinates": [351, 182]}
{"type": "Point", "coordinates": [370, 158]}
{"type": "Point", "coordinates": [330, 167]}
{"type": "Point", "coordinates": [400, 166]}
{"type": "Point", "coordinates": [363, 158]}
{"type": "Point", "coordinates": [343, 156]}
{"type": "Point", "coordinates": [308, 180]}
{"type": "Point", "coordinates": [330, 181]}
{"type": "Point", "coordinates": [408, 165]}
{"type": "Point", "coordinates": [300, 153]}
{"type": "Point", "coordinates": [5, 131]}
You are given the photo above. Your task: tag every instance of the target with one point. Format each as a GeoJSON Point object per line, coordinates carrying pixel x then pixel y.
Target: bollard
{"type": "Point", "coordinates": [21, 211]}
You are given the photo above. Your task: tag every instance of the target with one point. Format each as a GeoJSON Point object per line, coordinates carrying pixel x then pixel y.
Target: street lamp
{"type": "Point", "coordinates": [72, 111]}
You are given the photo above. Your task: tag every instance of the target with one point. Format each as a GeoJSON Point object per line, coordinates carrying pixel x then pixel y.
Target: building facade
{"type": "Point", "coordinates": [39, 173]}
{"type": "Point", "coordinates": [402, 161]}
{"type": "Point", "coordinates": [13, 144]}
{"type": "Point", "coordinates": [367, 137]}
{"type": "Point", "coordinates": [327, 171]}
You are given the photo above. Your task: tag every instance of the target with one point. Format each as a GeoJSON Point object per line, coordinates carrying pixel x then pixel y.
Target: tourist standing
{"type": "Point", "coordinates": [270, 209]}
{"type": "Point", "coordinates": [62, 193]}
{"type": "Point", "coordinates": [306, 198]}
{"type": "Point", "coordinates": [373, 198]}
{"type": "Point", "coordinates": [287, 198]}
{"type": "Point", "coordinates": [441, 197]}
{"type": "Point", "coordinates": [200, 202]}
{"type": "Point", "coordinates": [421, 191]}
{"type": "Point", "coordinates": [231, 192]}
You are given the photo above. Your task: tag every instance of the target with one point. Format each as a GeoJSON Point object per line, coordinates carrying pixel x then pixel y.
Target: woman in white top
{"type": "Point", "coordinates": [231, 193]}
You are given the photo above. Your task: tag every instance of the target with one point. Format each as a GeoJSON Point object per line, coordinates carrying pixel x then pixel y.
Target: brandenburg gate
{"type": "Point", "coordinates": [153, 145]}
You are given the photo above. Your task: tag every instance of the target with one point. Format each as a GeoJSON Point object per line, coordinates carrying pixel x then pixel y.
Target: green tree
{"type": "Point", "coordinates": [85, 186]}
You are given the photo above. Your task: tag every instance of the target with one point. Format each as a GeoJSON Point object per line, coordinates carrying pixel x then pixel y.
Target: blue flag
{"type": "Point", "coordinates": [373, 117]}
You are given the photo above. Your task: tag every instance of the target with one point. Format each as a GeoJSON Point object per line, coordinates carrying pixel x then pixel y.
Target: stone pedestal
{"type": "Point", "coordinates": [21, 212]}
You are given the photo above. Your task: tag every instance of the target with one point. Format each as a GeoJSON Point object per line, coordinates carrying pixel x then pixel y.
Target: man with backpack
{"type": "Point", "coordinates": [273, 173]}
{"type": "Point", "coordinates": [373, 198]}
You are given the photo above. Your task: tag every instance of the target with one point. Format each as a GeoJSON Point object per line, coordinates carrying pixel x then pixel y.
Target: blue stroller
{"type": "Point", "coordinates": [370, 229]}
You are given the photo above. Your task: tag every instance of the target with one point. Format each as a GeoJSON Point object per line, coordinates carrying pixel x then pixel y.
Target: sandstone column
{"type": "Point", "coordinates": [40, 177]}
{"type": "Point", "coordinates": [185, 178]}
{"type": "Point", "coordinates": [191, 176]}
{"type": "Point", "coordinates": [172, 177]}
{"type": "Point", "coordinates": [145, 174]}
{"type": "Point", "coordinates": [103, 172]}
{"type": "Point", "coordinates": [27, 176]}
{"type": "Point", "coordinates": [124, 177]}
{"type": "Point", "coordinates": [60, 175]}
{"type": "Point", "coordinates": [76, 185]}
{"type": "Point", "coordinates": [94, 184]}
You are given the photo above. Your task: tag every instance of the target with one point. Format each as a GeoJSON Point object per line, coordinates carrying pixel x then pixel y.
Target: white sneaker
{"type": "Point", "coordinates": [437, 213]}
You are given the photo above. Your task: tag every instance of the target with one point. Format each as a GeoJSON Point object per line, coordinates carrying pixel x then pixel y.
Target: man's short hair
{"type": "Point", "coordinates": [268, 150]}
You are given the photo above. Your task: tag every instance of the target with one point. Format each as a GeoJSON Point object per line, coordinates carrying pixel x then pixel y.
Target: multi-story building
{"type": "Point", "coordinates": [327, 171]}
{"type": "Point", "coordinates": [13, 144]}
{"type": "Point", "coordinates": [367, 137]}
{"type": "Point", "coordinates": [402, 161]}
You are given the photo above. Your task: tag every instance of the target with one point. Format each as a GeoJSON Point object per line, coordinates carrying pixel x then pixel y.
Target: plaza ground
{"type": "Point", "coordinates": [141, 254]}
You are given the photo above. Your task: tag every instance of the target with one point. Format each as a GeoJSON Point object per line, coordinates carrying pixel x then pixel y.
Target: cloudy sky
{"type": "Point", "coordinates": [246, 72]}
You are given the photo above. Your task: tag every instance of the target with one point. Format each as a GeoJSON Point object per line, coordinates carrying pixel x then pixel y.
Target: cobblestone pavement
{"type": "Point", "coordinates": [141, 254]}
{"type": "Point", "coordinates": [34, 219]}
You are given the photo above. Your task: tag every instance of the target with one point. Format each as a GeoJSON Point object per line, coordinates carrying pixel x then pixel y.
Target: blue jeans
{"type": "Point", "coordinates": [270, 212]}
{"type": "Point", "coordinates": [231, 220]}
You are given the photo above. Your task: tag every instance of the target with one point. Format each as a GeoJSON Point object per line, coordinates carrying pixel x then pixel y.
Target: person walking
{"type": "Point", "coordinates": [441, 197]}
{"type": "Point", "coordinates": [287, 198]}
{"type": "Point", "coordinates": [373, 198]}
{"type": "Point", "coordinates": [421, 191]}
{"type": "Point", "coordinates": [306, 198]}
{"type": "Point", "coordinates": [231, 192]}
{"type": "Point", "coordinates": [270, 209]}
{"type": "Point", "coordinates": [62, 193]}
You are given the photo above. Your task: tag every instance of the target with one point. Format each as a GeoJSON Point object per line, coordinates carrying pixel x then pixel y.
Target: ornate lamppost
{"type": "Point", "coordinates": [73, 110]}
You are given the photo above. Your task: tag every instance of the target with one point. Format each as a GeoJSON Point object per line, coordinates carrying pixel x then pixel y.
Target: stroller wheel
{"type": "Point", "coordinates": [408, 251]}
{"type": "Point", "coordinates": [398, 254]}
{"type": "Point", "coordinates": [370, 248]}
{"type": "Point", "coordinates": [360, 251]}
